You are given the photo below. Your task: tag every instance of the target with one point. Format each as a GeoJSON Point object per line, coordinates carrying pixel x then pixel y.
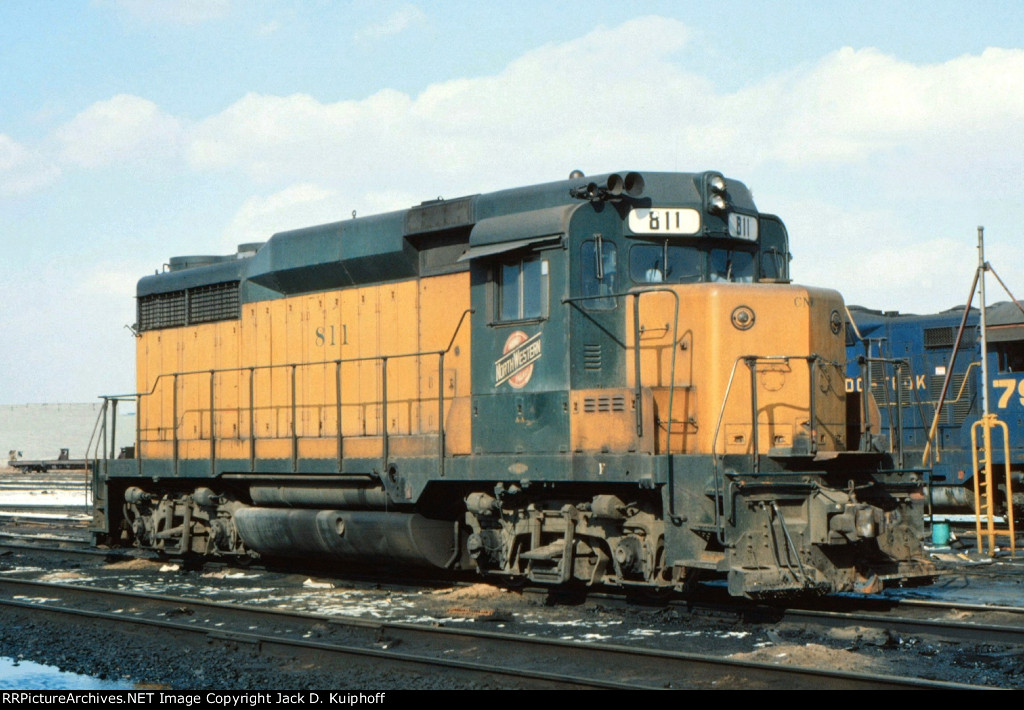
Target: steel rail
{"type": "Point", "coordinates": [28, 508]}
{"type": "Point", "coordinates": [620, 667]}
{"type": "Point", "coordinates": [263, 642]}
{"type": "Point", "coordinates": [947, 630]}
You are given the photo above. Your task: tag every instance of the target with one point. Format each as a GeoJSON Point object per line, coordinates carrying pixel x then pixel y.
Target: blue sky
{"type": "Point", "coordinates": [131, 131]}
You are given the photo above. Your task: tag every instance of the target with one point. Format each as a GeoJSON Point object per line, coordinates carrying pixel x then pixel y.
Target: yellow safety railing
{"type": "Point", "coordinates": [987, 486]}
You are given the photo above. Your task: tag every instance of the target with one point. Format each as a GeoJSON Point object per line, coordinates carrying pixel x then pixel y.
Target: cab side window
{"type": "Point", "coordinates": [522, 288]}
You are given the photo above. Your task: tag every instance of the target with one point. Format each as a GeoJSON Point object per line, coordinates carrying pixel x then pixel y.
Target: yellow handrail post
{"type": "Point", "coordinates": [988, 487]}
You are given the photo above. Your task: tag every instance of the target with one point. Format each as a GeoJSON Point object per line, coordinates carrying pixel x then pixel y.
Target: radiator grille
{"type": "Point", "coordinates": [943, 337]}
{"type": "Point", "coordinates": [162, 310]}
{"type": "Point", "coordinates": [201, 304]}
{"type": "Point", "coordinates": [212, 303]}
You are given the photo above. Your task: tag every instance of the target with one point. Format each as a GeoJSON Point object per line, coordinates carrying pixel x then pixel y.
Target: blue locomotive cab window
{"type": "Point", "coordinates": [599, 271]}
{"type": "Point", "coordinates": [522, 288]}
{"type": "Point", "coordinates": [1010, 354]}
{"type": "Point", "coordinates": [661, 263]}
{"type": "Point", "coordinates": [730, 265]}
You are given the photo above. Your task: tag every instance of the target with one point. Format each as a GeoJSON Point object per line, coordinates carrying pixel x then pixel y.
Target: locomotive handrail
{"type": "Point", "coordinates": [751, 362]}
{"type": "Point", "coordinates": [99, 426]}
{"type": "Point", "coordinates": [291, 367]}
{"type": "Point", "coordinates": [99, 430]}
{"type": "Point", "coordinates": [636, 293]}
{"type": "Point", "coordinates": [895, 423]}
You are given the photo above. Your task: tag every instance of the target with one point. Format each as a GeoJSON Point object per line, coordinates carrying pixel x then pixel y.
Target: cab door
{"type": "Point", "coordinates": [602, 405]}
{"type": "Point", "coordinates": [520, 333]}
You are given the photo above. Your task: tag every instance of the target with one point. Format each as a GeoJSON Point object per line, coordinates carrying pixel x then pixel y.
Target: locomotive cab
{"type": "Point", "coordinates": [681, 373]}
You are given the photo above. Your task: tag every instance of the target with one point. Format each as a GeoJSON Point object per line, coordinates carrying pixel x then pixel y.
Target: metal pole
{"type": "Point", "coordinates": [384, 411]}
{"type": "Point", "coordinates": [138, 432]}
{"type": "Point", "coordinates": [898, 370]}
{"type": "Point", "coordinates": [636, 369]}
{"type": "Point", "coordinates": [103, 433]}
{"type": "Point", "coordinates": [174, 422]}
{"type": "Point", "coordinates": [440, 413]}
{"type": "Point", "coordinates": [213, 427]}
{"type": "Point", "coordinates": [865, 422]}
{"type": "Point", "coordinates": [812, 404]}
{"type": "Point", "coordinates": [295, 427]}
{"type": "Point", "coordinates": [337, 388]}
{"type": "Point", "coordinates": [113, 428]}
{"type": "Point", "coordinates": [982, 267]}
{"type": "Point", "coordinates": [752, 364]}
{"type": "Point", "coordinates": [990, 485]}
{"type": "Point", "coordinates": [252, 421]}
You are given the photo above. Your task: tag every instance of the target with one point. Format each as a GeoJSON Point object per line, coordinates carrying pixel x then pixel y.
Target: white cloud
{"type": "Point", "coordinates": [305, 205]}
{"type": "Point", "coordinates": [297, 136]}
{"type": "Point", "coordinates": [299, 205]}
{"type": "Point", "coordinates": [540, 117]}
{"type": "Point", "coordinates": [877, 262]}
{"type": "Point", "coordinates": [119, 129]}
{"type": "Point", "coordinates": [857, 103]}
{"type": "Point", "coordinates": [397, 22]}
{"type": "Point", "coordinates": [22, 171]}
{"type": "Point", "coordinates": [566, 104]}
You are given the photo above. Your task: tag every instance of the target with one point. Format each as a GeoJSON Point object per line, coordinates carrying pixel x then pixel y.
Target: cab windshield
{"type": "Point", "coordinates": [668, 263]}
{"type": "Point", "coordinates": [731, 265]}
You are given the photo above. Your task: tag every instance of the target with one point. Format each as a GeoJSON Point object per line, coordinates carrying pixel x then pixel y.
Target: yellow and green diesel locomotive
{"type": "Point", "coordinates": [600, 380]}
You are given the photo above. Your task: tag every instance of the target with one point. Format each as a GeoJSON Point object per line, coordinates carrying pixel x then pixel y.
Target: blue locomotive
{"type": "Point", "coordinates": [905, 358]}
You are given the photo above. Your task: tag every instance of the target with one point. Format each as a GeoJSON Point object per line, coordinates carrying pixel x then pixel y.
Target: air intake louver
{"type": "Point", "coordinates": [604, 403]}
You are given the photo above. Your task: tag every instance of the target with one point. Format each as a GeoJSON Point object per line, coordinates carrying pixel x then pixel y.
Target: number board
{"type": "Point", "coordinates": [742, 226]}
{"type": "Point", "coordinates": [664, 220]}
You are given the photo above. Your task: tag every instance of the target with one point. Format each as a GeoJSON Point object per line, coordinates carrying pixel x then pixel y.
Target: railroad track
{"type": "Point", "coordinates": [988, 623]}
{"type": "Point", "coordinates": [997, 624]}
{"type": "Point", "coordinates": [884, 622]}
{"type": "Point", "coordinates": [1006, 625]}
{"type": "Point", "coordinates": [45, 543]}
{"type": "Point", "coordinates": [13, 509]}
{"type": "Point", "coordinates": [517, 660]}
{"type": "Point", "coordinates": [28, 486]}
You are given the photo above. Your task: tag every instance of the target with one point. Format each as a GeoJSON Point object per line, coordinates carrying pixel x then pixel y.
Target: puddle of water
{"type": "Point", "coordinates": [26, 675]}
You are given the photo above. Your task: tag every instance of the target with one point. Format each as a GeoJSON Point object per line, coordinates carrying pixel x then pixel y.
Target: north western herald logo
{"type": "Point", "coordinates": [515, 366]}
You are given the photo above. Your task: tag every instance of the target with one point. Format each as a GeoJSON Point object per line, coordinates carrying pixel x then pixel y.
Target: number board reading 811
{"type": "Point", "coordinates": [664, 220]}
{"type": "Point", "coordinates": [742, 226]}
